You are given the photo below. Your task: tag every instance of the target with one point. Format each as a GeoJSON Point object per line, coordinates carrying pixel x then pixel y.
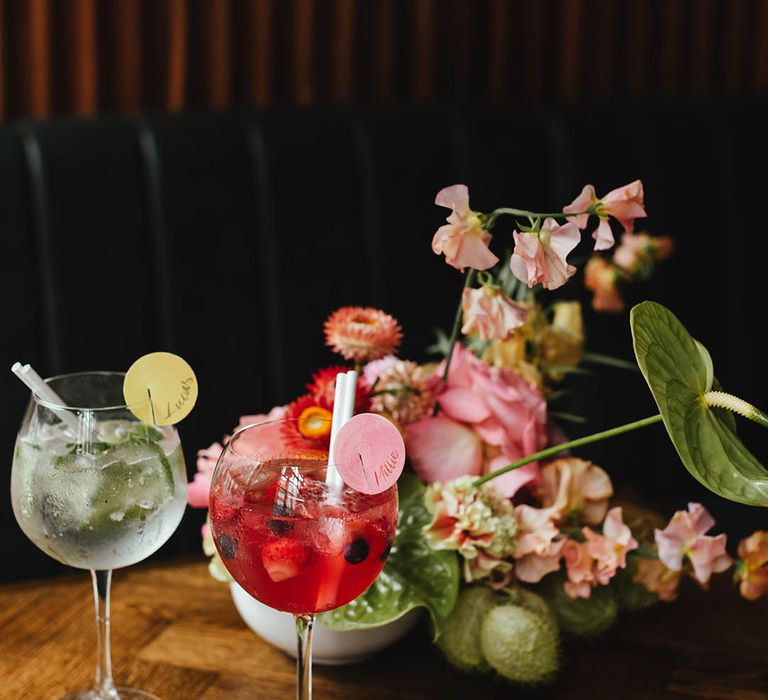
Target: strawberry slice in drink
{"type": "Point", "coordinates": [284, 558]}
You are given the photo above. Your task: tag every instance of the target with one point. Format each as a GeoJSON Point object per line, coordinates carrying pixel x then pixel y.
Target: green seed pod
{"type": "Point", "coordinates": [529, 600]}
{"type": "Point", "coordinates": [583, 617]}
{"type": "Point", "coordinates": [460, 638]}
{"type": "Point", "coordinates": [520, 645]}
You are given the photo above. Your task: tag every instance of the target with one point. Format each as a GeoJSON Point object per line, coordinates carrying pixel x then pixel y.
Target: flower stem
{"type": "Point", "coordinates": [722, 399]}
{"type": "Point", "coordinates": [496, 213]}
{"type": "Point", "coordinates": [557, 449]}
{"type": "Point", "coordinates": [468, 281]}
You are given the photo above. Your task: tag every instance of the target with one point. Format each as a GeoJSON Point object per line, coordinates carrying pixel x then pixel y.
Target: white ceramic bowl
{"type": "Point", "coordinates": [328, 647]}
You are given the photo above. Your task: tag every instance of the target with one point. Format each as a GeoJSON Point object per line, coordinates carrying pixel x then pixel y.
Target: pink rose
{"type": "Point", "coordinates": [540, 258]}
{"type": "Point", "coordinates": [490, 313]}
{"type": "Point", "coordinates": [463, 240]}
{"type": "Point", "coordinates": [684, 538]}
{"type": "Point", "coordinates": [506, 411]}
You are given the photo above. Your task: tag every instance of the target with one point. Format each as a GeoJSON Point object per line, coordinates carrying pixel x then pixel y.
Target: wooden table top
{"type": "Point", "coordinates": [176, 633]}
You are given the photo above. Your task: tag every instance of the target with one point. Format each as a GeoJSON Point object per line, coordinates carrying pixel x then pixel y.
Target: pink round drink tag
{"type": "Point", "coordinates": [369, 453]}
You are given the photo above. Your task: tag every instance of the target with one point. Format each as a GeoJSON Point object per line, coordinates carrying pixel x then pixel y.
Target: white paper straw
{"type": "Point", "coordinates": [38, 386]}
{"type": "Point", "coordinates": [332, 477]}
{"type": "Point", "coordinates": [350, 394]}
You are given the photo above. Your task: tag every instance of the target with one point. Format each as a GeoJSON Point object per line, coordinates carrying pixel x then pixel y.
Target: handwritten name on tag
{"type": "Point", "coordinates": [369, 453]}
{"type": "Point", "coordinates": [168, 381]}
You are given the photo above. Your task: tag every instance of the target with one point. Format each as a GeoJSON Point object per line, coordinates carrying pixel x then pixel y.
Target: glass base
{"type": "Point", "coordinates": [123, 694]}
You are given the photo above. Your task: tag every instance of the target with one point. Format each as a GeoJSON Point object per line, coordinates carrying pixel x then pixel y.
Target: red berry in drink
{"type": "Point", "coordinates": [284, 558]}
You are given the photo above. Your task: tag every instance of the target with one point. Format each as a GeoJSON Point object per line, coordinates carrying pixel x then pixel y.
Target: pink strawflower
{"type": "Point", "coordinates": [373, 370]}
{"type": "Point", "coordinates": [362, 333]}
{"type": "Point", "coordinates": [505, 411]}
{"type": "Point", "coordinates": [625, 204]}
{"type": "Point", "coordinates": [463, 240]}
{"type": "Point", "coordinates": [601, 278]}
{"type": "Point", "coordinates": [609, 549]}
{"type": "Point", "coordinates": [403, 390]}
{"type": "Point", "coordinates": [684, 538]}
{"type": "Point", "coordinates": [490, 313]}
{"type": "Point", "coordinates": [199, 488]}
{"type": "Point", "coordinates": [657, 578]}
{"type": "Point", "coordinates": [587, 489]}
{"type": "Point", "coordinates": [752, 572]}
{"type": "Point", "coordinates": [579, 567]}
{"type": "Point", "coordinates": [540, 258]}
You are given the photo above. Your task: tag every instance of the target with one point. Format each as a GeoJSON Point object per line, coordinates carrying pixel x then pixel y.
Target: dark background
{"type": "Point", "coordinates": [273, 161]}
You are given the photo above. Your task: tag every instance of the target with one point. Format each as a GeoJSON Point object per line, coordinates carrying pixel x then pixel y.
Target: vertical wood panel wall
{"type": "Point", "coordinates": [89, 56]}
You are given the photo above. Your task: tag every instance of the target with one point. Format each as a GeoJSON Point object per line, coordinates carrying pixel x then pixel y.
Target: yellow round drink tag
{"type": "Point", "coordinates": [160, 388]}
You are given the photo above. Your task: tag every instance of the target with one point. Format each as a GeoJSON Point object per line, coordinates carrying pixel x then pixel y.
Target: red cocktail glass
{"type": "Point", "coordinates": [288, 538]}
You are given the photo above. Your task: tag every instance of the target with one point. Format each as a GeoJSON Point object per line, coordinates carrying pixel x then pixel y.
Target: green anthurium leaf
{"type": "Point", "coordinates": [679, 372]}
{"type": "Point", "coordinates": [415, 575]}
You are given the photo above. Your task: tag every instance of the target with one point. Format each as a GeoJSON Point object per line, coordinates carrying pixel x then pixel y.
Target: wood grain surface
{"type": "Point", "coordinates": [176, 633]}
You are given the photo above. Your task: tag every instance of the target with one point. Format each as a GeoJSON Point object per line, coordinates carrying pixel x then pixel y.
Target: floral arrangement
{"type": "Point", "coordinates": [505, 537]}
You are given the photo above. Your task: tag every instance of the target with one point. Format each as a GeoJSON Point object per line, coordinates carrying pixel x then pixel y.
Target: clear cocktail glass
{"type": "Point", "coordinates": [96, 489]}
{"type": "Point", "coordinates": [290, 539]}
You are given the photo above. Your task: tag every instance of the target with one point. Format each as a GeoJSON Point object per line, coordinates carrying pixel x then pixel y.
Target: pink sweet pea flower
{"type": "Point", "coordinates": [684, 538]}
{"type": "Point", "coordinates": [490, 313]}
{"type": "Point", "coordinates": [463, 240]}
{"type": "Point", "coordinates": [625, 204]}
{"type": "Point", "coordinates": [579, 568]}
{"type": "Point", "coordinates": [609, 550]}
{"type": "Point", "coordinates": [540, 258]}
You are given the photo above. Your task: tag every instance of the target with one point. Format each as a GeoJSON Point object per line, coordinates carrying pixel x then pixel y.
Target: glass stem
{"type": "Point", "coordinates": [105, 686]}
{"type": "Point", "coordinates": [304, 625]}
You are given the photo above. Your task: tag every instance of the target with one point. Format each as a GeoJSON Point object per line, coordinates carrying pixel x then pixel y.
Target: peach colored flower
{"type": "Point", "coordinates": [684, 538]}
{"type": "Point", "coordinates": [609, 550]}
{"type": "Point", "coordinates": [507, 412]}
{"type": "Point", "coordinates": [601, 278]}
{"type": "Point", "coordinates": [403, 390]}
{"type": "Point", "coordinates": [476, 522]}
{"type": "Point", "coordinates": [362, 333]}
{"type": "Point", "coordinates": [579, 569]}
{"type": "Point", "coordinates": [625, 204]}
{"type": "Point", "coordinates": [587, 489]}
{"type": "Point", "coordinates": [752, 572]}
{"type": "Point", "coordinates": [490, 313]}
{"type": "Point", "coordinates": [463, 240]}
{"type": "Point", "coordinates": [657, 578]}
{"type": "Point", "coordinates": [540, 258]}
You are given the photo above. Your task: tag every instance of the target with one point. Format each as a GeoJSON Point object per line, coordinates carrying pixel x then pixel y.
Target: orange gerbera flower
{"type": "Point", "coordinates": [362, 333]}
{"type": "Point", "coordinates": [308, 424]}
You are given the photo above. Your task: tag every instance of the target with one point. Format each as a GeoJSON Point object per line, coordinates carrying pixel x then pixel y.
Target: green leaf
{"type": "Point", "coordinates": [145, 433]}
{"type": "Point", "coordinates": [679, 372]}
{"type": "Point", "coordinates": [415, 575]}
